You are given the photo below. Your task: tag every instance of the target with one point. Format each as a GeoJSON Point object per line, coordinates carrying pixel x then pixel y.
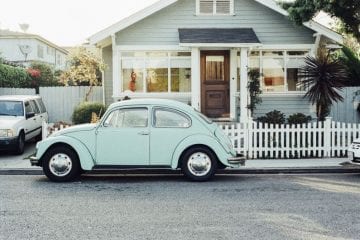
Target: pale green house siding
{"type": "Point", "coordinates": [162, 27]}
{"type": "Point", "coordinates": [108, 75]}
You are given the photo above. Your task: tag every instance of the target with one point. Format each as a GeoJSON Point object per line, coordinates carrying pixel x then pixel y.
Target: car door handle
{"type": "Point", "coordinates": [143, 133]}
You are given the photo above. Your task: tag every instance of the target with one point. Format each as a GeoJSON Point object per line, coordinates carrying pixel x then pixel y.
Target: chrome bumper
{"type": "Point", "coordinates": [239, 159]}
{"type": "Point", "coordinates": [34, 161]}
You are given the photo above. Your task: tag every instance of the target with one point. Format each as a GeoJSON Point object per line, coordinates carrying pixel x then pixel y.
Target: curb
{"type": "Point", "coordinates": [297, 170]}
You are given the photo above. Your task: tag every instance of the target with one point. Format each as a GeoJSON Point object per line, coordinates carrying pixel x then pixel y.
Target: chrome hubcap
{"type": "Point", "coordinates": [199, 164]}
{"type": "Point", "coordinates": [60, 164]}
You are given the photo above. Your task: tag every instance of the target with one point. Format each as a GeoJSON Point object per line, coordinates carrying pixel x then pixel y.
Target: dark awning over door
{"type": "Point", "coordinates": [218, 35]}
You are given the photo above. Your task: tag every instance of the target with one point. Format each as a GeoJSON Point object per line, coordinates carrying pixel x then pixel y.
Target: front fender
{"type": "Point", "coordinates": [86, 159]}
{"type": "Point", "coordinates": [200, 139]}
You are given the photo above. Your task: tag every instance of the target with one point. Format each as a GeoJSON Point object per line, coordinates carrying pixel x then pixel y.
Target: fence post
{"type": "Point", "coordinates": [327, 136]}
{"type": "Point", "coordinates": [44, 130]}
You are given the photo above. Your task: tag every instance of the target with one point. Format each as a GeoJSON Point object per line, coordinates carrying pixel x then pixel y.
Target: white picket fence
{"type": "Point", "coordinates": [318, 139]}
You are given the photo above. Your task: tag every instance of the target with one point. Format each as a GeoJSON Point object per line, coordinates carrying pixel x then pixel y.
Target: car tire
{"type": "Point", "coordinates": [20, 144]}
{"type": "Point", "coordinates": [199, 164]}
{"type": "Point", "coordinates": [61, 164]}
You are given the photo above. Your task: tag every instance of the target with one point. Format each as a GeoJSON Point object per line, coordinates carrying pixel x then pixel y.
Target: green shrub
{"type": "Point", "coordinates": [299, 118]}
{"type": "Point", "coordinates": [13, 77]}
{"type": "Point", "coordinates": [273, 117]}
{"type": "Point", "coordinates": [82, 113]}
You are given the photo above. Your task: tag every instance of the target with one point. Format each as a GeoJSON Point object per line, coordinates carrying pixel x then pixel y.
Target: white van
{"type": "Point", "coordinates": [21, 119]}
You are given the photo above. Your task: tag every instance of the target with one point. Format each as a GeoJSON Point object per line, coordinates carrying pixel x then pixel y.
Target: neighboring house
{"type": "Point", "coordinates": [200, 51]}
{"type": "Point", "coordinates": [25, 48]}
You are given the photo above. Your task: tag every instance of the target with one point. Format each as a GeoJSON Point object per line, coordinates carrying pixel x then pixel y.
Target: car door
{"type": "Point", "coordinates": [169, 128]}
{"type": "Point", "coordinates": [38, 116]}
{"type": "Point", "coordinates": [30, 126]}
{"type": "Point", "coordinates": [123, 138]}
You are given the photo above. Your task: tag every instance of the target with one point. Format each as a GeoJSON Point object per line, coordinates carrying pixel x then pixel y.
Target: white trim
{"type": "Point", "coordinates": [116, 68]}
{"type": "Point", "coordinates": [285, 47]}
{"type": "Point", "coordinates": [288, 93]}
{"type": "Point", "coordinates": [233, 82]}
{"type": "Point", "coordinates": [244, 93]}
{"type": "Point", "coordinates": [151, 48]}
{"type": "Point", "coordinates": [315, 48]}
{"type": "Point", "coordinates": [126, 22]}
{"type": "Point", "coordinates": [226, 45]}
{"type": "Point", "coordinates": [167, 95]}
{"type": "Point", "coordinates": [195, 79]}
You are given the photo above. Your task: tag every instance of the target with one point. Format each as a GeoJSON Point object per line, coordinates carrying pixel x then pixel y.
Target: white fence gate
{"type": "Point", "coordinates": [319, 139]}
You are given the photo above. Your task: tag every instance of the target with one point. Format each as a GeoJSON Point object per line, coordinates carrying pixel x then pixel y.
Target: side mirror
{"type": "Point", "coordinates": [30, 115]}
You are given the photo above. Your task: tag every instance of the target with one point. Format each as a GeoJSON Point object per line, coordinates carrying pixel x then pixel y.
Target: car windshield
{"type": "Point", "coordinates": [11, 108]}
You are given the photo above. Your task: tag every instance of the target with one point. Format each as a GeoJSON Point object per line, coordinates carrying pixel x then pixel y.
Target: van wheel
{"type": "Point", "coordinates": [61, 164]}
{"type": "Point", "coordinates": [199, 164]}
{"type": "Point", "coordinates": [20, 146]}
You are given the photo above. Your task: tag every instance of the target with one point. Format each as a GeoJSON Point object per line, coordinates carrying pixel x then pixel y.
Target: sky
{"type": "Point", "coordinates": [66, 22]}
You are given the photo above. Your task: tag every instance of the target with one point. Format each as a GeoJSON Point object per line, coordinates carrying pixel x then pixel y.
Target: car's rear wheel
{"type": "Point", "coordinates": [61, 164]}
{"type": "Point", "coordinates": [20, 145]}
{"type": "Point", "coordinates": [199, 163]}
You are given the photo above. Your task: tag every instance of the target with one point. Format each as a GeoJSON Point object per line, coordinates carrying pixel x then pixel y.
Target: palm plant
{"type": "Point", "coordinates": [323, 78]}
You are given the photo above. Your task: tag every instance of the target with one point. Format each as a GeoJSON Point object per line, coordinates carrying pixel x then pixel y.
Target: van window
{"type": "Point", "coordinates": [41, 105]}
{"type": "Point", "coordinates": [34, 107]}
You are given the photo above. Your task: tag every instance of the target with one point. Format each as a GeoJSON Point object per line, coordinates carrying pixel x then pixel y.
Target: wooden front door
{"type": "Point", "coordinates": [215, 87]}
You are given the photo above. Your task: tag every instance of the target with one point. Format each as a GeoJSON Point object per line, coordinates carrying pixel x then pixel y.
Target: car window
{"type": "Point", "coordinates": [11, 108]}
{"type": "Point", "coordinates": [34, 107]}
{"type": "Point", "coordinates": [170, 118]}
{"type": "Point", "coordinates": [41, 105]}
{"type": "Point", "coordinates": [128, 118]}
{"type": "Point", "coordinates": [28, 108]}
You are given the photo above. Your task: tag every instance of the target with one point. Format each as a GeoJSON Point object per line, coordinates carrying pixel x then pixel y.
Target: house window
{"type": "Point", "coordinates": [156, 71]}
{"type": "Point", "coordinates": [50, 51]}
{"type": "Point", "coordinates": [278, 69]}
{"type": "Point", "coordinates": [40, 51]}
{"type": "Point", "coordinates": [215, 7]}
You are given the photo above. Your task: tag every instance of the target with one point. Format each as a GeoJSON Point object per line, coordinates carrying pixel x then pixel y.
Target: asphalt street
{"type": "Point", "coordinates": [170, 207]}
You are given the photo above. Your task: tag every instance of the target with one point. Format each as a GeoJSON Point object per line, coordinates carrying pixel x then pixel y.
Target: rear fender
{"type": "Point", "coordinates": [199, 139]}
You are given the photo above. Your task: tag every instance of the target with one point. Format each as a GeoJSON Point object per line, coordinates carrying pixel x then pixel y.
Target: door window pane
{"type": "Point", "coordinates": [181, 74]}
{"type": "Point", "coordinates": [215, 68]}
{"type": "Point", "coordinates": [169, 118]}
{"type": "Point", "coordinates": [128, 118]}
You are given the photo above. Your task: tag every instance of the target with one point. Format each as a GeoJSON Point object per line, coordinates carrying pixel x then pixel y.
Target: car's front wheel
{"type": "Point", "coordinates": [199, 163]}
{"type": "Point", "coordinates": [61, 164]}
{"type": "Point", "coordinates": [20, 145]}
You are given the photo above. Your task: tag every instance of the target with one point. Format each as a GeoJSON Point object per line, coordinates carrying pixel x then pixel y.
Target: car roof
{"type": "Point", "coordinates": [153, 101]}
{"type": "Point", "coordinates": [19, 97]}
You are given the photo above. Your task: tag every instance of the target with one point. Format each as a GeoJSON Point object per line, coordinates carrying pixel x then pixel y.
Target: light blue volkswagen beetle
{"type": "Point", "coordinates": [143, 133]}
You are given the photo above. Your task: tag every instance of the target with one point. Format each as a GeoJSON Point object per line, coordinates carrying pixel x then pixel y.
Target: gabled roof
{"type": "Point", "coordinates": [126, 22]}
{"type": "Point", "coordinates": [7, 34]}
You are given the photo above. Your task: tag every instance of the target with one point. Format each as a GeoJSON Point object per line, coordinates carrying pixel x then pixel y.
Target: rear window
{"type": "Point", "coordinates": [11, 108]}
{"type": "Point", "coordinates": [41, 105]}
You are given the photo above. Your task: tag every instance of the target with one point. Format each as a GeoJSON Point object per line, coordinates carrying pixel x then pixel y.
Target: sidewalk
{"type": "Point", "coordinates": [10, 164]}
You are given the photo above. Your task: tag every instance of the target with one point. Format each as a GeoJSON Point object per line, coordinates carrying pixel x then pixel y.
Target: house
{"type": "Point", "coordinates": [24, 48]}
{"type": "Point", "coordinates": [200, 51]}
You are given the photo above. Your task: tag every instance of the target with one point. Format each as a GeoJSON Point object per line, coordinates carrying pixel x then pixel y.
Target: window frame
{"type": "Point", "coordinates": [126, 108]}
{"type": "Point", "coordinates": [168, 109]}
{"type": "Point", "coordinates": [285, 57]}
{"type": "Point", "coordinates": [215, 13]}
{"type": "Point", "coordinates": [145, 56]}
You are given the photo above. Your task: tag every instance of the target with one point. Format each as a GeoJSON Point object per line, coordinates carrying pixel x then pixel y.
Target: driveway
{"type": "Point", "coordinates": [8, 160]}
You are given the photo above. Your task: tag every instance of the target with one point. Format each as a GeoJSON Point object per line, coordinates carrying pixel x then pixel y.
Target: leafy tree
{"type": "Point", "coordinates": [85, 70]}
{"type": "Point", "coordinates": [351, 60]}
{"type": "Point", "coordinates": [324, 77]}
{"type": "Point", "coordinates": [348, 11]}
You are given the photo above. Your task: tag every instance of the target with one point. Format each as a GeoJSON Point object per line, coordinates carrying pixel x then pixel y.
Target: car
{"type": "Point", "coordinates": [139, 134]}
{"type": "Point", "coordinates": [354, 152]}
{"type": "Point", "coordinates": [21, 119]}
